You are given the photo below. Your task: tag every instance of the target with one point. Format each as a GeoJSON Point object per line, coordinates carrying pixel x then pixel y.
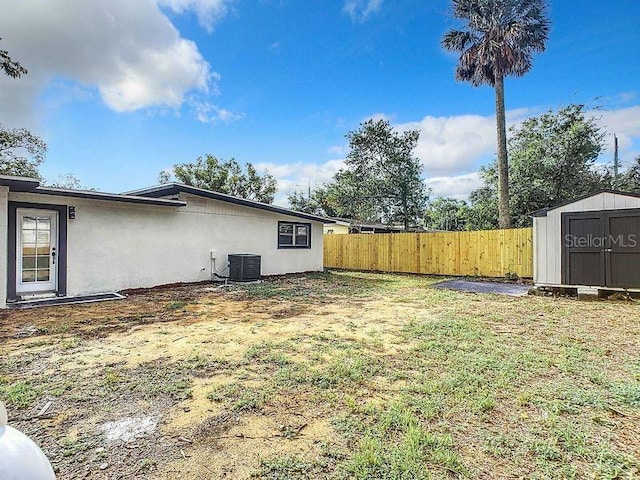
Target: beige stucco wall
{"type": "Point", "coordinates": [336, 229]}
{"type": "Point", "coordinates": [114, 246]}
{"type": "Point", "coordinates": [547, 233]}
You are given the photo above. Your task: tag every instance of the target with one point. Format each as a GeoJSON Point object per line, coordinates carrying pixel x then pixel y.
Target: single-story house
{"type": "Point", "coordinates": [69, 243]}
{"type": "Point", "coordinates": [342, 226]}
{"type": "Point", "coordinates": [589, 243]}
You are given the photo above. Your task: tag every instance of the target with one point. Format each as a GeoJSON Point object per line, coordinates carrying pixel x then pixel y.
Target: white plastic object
{"type": "Point", "coordinates": [20, 457]}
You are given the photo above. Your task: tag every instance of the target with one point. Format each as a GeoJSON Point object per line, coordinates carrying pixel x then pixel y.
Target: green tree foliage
{"type": "Point", "coordinates": [483, 209]}
{"type": "Point", "coordinates": [382, 180]}
{"type": "Point", "coordinates": [317, 202]}
{"type": "Point", "coordinates": [446, 214]}
{"type": "Point", "coordinates": [498, 39]}
{"type": "Point", "coordinates": [629, 180]}
{"type": "Point", "coordinates": [21, 152]}
{"type": "Point", "coordinates": [552, 160]}
{"type": "Point", "coordinates": [9, 66]}
{"type": "Point", "coordinates": [225, 177]}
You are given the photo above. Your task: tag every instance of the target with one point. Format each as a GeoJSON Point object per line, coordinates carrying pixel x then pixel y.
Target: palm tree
{"type": "Point", "coordinates": [499, 39]}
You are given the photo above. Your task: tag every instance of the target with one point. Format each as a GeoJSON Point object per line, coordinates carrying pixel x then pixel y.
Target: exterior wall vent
{"type": "Point", "coordinates": [244, 267]}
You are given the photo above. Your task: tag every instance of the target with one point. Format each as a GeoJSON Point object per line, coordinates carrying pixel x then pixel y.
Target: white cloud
{"type": "Point", "coordinates": [338, 150]}
{"type": "Point", "coordinates": [451, 148]}
{"type": "Point", "coordinates": [298, 176]}
{"type": "Point", "coordinates": [457, 186]}
{"type": "Point", "coordinates": [128, 50]}
{"type": "Point", "coordinates": [361, 10]}
{"type": "Point", "coordinates": [209, 12]}
{"type": "Point", "coordinates": [455, 144]}
{"type": "Point", "coordinates": [206, 112]}
{"type": "Point", "coordinates": [625, 123]}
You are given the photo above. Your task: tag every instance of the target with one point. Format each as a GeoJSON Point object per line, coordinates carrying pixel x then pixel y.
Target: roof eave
{"type": "Point", "coordinates": [175, 188]}
{"type": "Point", "coordinates": [112, 197]}
{"type": "Point", "coordinates": [19, 184]}
{"type": "Point", "coordinates": [544, 211]}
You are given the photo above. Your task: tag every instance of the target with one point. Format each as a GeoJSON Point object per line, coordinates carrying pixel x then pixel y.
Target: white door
{"type": "Point", "coordinates": [37, 244]}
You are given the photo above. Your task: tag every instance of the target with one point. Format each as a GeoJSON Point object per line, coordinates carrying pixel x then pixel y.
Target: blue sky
{"type": "Point", "coordinates": [121, 90]}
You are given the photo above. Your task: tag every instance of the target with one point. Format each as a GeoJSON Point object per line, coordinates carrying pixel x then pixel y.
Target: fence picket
{"type": "Point", "coordinates": [490, 253]}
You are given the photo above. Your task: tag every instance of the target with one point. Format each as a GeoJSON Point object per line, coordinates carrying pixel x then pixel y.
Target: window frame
{"type": "Point", "coordinates": [295, 225]}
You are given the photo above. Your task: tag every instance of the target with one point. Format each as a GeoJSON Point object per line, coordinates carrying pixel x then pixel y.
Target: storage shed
{"type": "Point", "coordinates": [589, 243]}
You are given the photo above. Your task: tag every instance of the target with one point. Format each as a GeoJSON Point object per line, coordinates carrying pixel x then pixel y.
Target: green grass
{"type": "Point", "coordinates": [240, 398]}
{"type": "Point", "coordinates": [437, 385]}
{"type": "Point", "coordinates": [176, 305]}
{"type": "Point", "coordinates": [19, 394]}
{"type": "Point", "coordinates": [285, 468]}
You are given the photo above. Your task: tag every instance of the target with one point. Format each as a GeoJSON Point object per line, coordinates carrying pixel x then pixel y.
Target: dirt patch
{"type": "Point", "coordinates": [345, 375]}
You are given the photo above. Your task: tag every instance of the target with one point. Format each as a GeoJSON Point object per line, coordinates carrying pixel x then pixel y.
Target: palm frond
{"type": "Point", "coordinates": [458, 40]}
{"type": "Point", "coordinates": [499, 38]}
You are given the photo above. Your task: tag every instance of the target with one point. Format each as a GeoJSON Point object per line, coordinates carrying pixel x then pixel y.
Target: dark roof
{"type": "Point", "coordinates": [169, 189]}
{"type": "Point", "coordinates": [114, 197]}
{"type": "Point", "coordinates": [147, 196]}
{"type": "Point", "coordinates": [19, 184]}
{"type": "Point", "coordinates": [543, 212]}
{"type": "Point", "coordinates": [32, 185]}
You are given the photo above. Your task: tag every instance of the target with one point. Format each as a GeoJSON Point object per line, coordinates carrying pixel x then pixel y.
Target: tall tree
{"type": "Point", "coordinates": [499, 39]}
{"type": "Point", "coordinates": [381, 182]}
{"type": "Point", "coordinates": [382, 179]}
{"type": "Point", "coordinates": [9, 66]}
{"type": "Point", "coordinates": [225, 177]}
{"type": "Point", "coordinates": [553, 159]}
{"type": "Point", "coordinates": [21, 152]}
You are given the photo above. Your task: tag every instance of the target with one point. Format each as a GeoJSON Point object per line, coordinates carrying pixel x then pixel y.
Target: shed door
{"type": "Point", "coordinates": [622, 229]}
{"type": "Point", "coordinates": [602, 249]}
{"type": "Point", "coordinates": [583, 249]}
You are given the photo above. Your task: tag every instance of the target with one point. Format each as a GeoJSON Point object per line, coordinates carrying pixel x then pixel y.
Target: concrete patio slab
{"type": "Point", "coordinates": [499, 288]}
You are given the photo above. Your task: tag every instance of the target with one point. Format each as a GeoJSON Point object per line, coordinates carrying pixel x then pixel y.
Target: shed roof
{"type": "Point", "coordinates": [543, 212]}
{"type": "Point", "coordinates": [169, 189]}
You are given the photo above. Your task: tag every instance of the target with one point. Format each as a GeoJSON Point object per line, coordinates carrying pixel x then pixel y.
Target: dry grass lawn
{"type": "Point", "coordinates": [335, 375]}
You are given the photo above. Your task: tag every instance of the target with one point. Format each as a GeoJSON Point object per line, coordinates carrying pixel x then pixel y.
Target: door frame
{"type": "Point", "coordinates": [36, 286]}
{"type": "Point", "coordinates": [609, 251]}
{"type": "Point", "coordinates": [605, 250]}
{"type": "Point", "coordinates": [61, 256]}
{"type": "Point", "coordinates": [566, 218]}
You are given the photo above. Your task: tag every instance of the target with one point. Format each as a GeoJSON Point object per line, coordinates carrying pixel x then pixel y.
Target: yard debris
{"type": "Point", "coordinates": [616, 411]}
{"type": "Point", "coordinates": [45, 409]}
{"type": "Point", "coordinates": [129, 429]}
{"type": "Point", "coordinates": [26, 331]}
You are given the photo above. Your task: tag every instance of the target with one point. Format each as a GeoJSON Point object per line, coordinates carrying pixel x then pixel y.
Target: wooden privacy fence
{"type": "Point", "coordinates": [487, 253]}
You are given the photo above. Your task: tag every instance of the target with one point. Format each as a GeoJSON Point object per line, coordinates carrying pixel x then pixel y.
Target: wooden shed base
{"type": "Point", "coordinates": [586, 293]}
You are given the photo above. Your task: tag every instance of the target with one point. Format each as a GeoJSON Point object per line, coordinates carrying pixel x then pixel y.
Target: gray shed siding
{"type": "Point", "coordinates": [547, 233]}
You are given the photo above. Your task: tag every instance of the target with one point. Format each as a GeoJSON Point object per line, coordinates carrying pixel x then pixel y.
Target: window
{"type": "Point", "coordinates": [294, 235]}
